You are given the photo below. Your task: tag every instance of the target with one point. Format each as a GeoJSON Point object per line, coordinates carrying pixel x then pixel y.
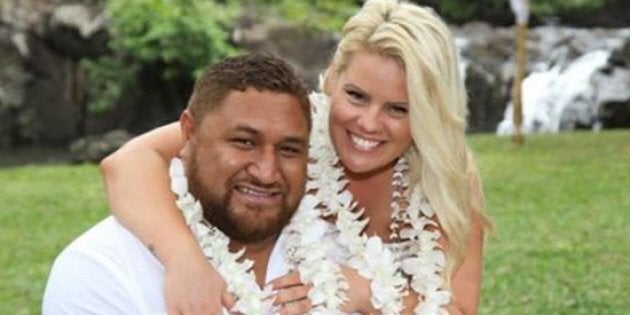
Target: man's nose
{"type": "Point", "coordinates": [265, 166]}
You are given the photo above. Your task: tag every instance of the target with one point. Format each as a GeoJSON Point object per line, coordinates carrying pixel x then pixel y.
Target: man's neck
{"type": "Point", "coordinates": [259, 253]}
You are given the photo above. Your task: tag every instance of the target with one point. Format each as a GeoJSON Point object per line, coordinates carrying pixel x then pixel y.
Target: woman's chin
{"type": "Point", "coordinates": [362, 169]}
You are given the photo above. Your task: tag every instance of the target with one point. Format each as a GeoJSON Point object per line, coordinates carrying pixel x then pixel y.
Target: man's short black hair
{"type": "Point", "coordinates": [262, 72]}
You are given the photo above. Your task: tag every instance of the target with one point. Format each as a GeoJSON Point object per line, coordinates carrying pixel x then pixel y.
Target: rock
{"type": "Point", "coordinates": [613, 114]}
{"type": "Point", "coordinates": [77, 31]}
{"type": "Point", "coordinates": [13, 81]}
{"type": "Point", "coordinates": [94, 148]}
{"type": "Point", "coordinates": [308, 51]}
{"type": "Point", "coordinates": [486, 101]}
{"type": "Point", "coordinates": [573, 72]}
{"type": "Point", "coordinates": [56, 95]}
{"type": "Point", "coordinates": [611, 84]}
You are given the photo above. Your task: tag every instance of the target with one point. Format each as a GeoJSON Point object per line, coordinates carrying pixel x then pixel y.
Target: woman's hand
{"type": "Point", "coordinates": [359, 293]}
{"type": "Point", "coordinates": [193, 287]}
{"type": "Point", "coordinates": [291, 296]}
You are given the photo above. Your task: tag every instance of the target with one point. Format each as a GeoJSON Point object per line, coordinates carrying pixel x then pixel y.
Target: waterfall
{"type": "Point", "coordinates": [559, 97]}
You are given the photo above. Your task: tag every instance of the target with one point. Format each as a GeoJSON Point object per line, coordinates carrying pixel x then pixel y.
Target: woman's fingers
{"type": "Point", "coordinates": [297, 307]}
{"type": "Point", "coordinates": [292, 294]}
{"type": "Point", "coordinates": [228, 300]}
{"type": "Point", "coordinates": [289, 280]}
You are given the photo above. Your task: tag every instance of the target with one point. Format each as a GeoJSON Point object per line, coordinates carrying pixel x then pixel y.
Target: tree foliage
{"type": "Point", "coordinates": [326, 15]}
{"type": "Point", "coordinates": [181, 37]}
{"type": "Point", "coordinates": [461, 11]}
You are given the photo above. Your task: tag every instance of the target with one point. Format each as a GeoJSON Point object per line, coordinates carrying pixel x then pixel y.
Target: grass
{"type": "Point", "coordinates": [42, 208]}
{"type": "Point", "coordinates": [561, 206]}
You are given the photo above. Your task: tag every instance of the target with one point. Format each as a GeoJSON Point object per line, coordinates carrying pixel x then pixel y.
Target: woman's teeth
{"type": "Point", "coordinates": [362, 143]}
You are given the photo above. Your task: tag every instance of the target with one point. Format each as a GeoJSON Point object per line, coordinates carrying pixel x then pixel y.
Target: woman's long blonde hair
{"type": "Point", "coordinates": [441, 161]}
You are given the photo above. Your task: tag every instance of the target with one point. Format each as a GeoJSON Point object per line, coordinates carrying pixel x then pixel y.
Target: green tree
{"type": "Point", "coordinates": [181, 36]}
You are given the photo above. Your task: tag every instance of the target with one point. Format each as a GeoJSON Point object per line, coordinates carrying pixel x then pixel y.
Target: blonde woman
{"type": "Point", "coordinates": [388, 143]}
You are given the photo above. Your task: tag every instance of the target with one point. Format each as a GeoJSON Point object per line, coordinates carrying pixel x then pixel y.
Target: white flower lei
{"type": "Point", "coordinates": [241, 281]}
{"type": "Point", "coordinates": [422, 261]}
{"type": "Point", "coordinates": [308, 247]}
{"type": "Point", "coordinates": [307, 254]}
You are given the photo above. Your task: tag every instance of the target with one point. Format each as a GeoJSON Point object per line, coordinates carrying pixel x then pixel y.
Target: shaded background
{"type": "Point", "coordinates": [80, 77]}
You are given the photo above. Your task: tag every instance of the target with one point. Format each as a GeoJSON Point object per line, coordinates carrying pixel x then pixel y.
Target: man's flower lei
{"type": "Point", "coordinates": [305, 252]}
{"type": "Point", "coordinates": [241, 281]}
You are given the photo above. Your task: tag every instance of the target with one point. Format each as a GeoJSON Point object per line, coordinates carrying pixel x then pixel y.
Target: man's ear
{"type": "Point", "coordinates": [187, 125]}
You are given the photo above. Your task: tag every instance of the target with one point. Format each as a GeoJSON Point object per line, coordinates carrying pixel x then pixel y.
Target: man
{"type": "Point", "coordinates": [246, 140]}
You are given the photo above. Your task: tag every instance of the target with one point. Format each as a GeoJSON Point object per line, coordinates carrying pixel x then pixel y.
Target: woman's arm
{"type": "Point", "coordinates": [139, 195]}
{"type": "Point", "coordinates": [466, 281]}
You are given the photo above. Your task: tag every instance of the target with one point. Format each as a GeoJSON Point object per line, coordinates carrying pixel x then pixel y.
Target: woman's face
{"type": "Point", "coordinates": [369, 119]}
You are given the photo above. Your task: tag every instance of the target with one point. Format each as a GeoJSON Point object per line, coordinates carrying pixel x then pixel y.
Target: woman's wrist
{"type": "Point", "coordinates": [175, 249]}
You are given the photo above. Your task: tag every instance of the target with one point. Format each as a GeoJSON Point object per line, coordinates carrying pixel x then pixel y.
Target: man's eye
{"type": "Point", "coordinates": [243, 142]}
{"type": "Point", "coordinates": [291, 150]}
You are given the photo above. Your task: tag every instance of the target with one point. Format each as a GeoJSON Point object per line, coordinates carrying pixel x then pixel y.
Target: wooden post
{"type": "Point", "coordinates": [521, 12]}
{"type": "Point", "coordinates": [517, 95]}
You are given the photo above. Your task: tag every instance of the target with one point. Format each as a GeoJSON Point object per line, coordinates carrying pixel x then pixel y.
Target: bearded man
{"type": "Point", "coordinates": [246, 134]}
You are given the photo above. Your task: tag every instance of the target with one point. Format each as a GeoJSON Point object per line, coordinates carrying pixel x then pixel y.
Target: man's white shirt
{"type": "Point", "coordinates": [108, 270]}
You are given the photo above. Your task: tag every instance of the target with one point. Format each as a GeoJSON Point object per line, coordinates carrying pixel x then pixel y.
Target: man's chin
{"type": "Point", "coordinates": [259, 231]}
{"type": "Point", "coordinates": [257, 223]}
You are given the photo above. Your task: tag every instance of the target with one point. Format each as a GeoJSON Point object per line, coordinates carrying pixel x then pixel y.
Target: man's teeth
{"type": "Point", "coordinates": [255, 192]}
{"type": "Point", "coordinates": [363, 143]}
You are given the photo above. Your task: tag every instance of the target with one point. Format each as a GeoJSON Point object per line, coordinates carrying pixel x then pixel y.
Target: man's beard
{"type": "Point", "coordinates": [218, 211]}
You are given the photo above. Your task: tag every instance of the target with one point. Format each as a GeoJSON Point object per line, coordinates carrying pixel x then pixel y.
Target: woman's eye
{"type": "Point", "coordinates": [398, 110]}
{"type": "Point", "coordinates": [354, 95]}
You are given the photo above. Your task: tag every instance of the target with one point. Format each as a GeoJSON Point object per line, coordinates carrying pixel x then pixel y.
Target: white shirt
{"type": "Point", "coordinates": [108, 270]}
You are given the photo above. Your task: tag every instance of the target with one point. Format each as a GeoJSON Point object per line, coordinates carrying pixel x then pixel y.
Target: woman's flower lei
{"type": "Point", "coordinates": [241, 281]}
{"type": "Point", "coordinates": [422, 260]}
{"type": "Point", "coordinates": [309, 247]}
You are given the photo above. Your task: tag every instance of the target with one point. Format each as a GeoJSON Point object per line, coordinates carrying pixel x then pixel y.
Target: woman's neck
{"type": "Point", "coordinates": [373, 192]}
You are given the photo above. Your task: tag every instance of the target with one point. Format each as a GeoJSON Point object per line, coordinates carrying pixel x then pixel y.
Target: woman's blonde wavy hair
{"type": "Point", "coordinates": [441, 161]}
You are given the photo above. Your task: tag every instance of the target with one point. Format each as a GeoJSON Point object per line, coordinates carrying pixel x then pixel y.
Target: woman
{"type": "Point", "coordinates": [391, 126]}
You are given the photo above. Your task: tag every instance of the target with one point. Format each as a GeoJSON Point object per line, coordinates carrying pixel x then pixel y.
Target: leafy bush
{"type": "Point", "coordinates": [323, 15]}
{"type": "Point", "coordinates": [461, 11]}
{"type": "Point", "coordinates": [181, 36]}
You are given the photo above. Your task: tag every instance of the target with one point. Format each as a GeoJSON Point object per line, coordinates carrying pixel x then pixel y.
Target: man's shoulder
{"type": "Point", "coordinates": [100, 269]}
{"type": "Point", "coordinates": [107, 240]}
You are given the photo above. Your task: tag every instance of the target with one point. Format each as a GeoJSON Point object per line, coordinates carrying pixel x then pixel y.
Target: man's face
{"type": "Point", "coordinates": [247, 163]}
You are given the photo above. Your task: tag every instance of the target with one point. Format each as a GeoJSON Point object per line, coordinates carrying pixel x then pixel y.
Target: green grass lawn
{"type": "Point", "coordinates": [561, 206]}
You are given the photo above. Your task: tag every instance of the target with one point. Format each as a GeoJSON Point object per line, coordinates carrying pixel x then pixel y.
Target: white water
{"type": "Point", "coordinates": [558, 96]}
